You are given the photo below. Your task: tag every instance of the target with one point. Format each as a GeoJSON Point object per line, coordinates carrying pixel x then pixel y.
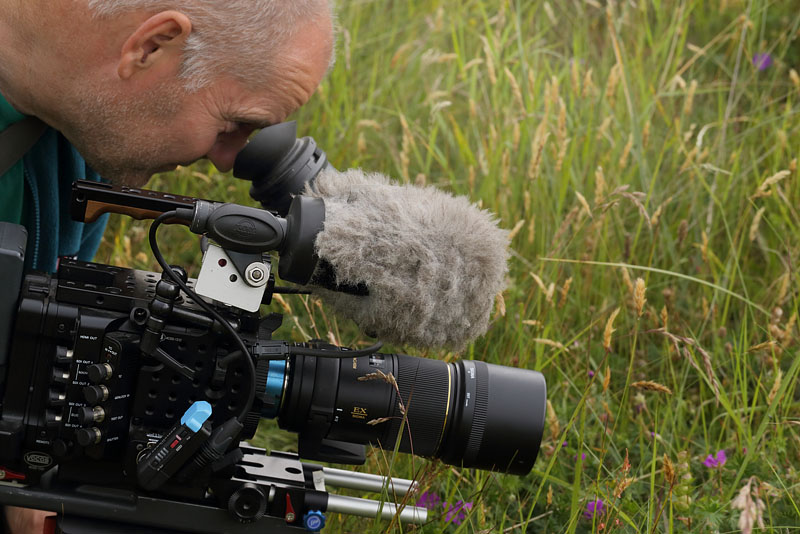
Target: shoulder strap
{"type": "Point", "coordinates": [17, 139]}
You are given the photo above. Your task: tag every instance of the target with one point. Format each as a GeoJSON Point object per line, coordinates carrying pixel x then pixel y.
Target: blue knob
{"type": "Point", "coordinates": [314, 520]}
{"type": "Point", "coordinates": [196, 415]}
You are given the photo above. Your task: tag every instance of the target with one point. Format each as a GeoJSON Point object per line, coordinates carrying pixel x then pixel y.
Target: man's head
{"type": "Point", "coordinates": [240, 39]}
{"type": "Point", "coordinates": [144, 85]}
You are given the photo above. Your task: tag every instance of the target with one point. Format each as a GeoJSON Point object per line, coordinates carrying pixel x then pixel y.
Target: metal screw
{"type": "Point", "coordinates": [255, 274]}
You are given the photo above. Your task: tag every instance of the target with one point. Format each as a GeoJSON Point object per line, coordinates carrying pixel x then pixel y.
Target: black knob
{"type": "Point", "coordinates": [63, 355]}
{"type": "Point", "coordinates": [167, 289]}
{"type": "Point", "coordinates": [89, 416]}
{"type": "Point", "coordinates": [56, 398]}
{"type": "Point", "coordinates": [61, 447]}
{"type": "Point", "coordinates": [178, 270]}
{"type": "Point", "coordinates": [60, 376]}
{"type": "Point", "coordinates": [95, 394]}
{"type": "Point", "coordinates": [88, 436]}
{"type": "Point", "coordinates": [248, 503]}
{"type": "Point", "coordinates": [53, 419]}
{"type": "Point", "coordinates": [99, 372]}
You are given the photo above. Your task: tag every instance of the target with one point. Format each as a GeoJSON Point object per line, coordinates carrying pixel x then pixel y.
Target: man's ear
{"type": "Point", "coordinates": [158, 40]}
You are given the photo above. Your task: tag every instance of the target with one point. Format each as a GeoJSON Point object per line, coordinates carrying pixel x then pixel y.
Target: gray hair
{"type": "Point", "coordinates": [240, 38]}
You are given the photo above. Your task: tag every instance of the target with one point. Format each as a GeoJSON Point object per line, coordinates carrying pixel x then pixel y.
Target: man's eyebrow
{"type": "Point", "coordinates": [255, 122]}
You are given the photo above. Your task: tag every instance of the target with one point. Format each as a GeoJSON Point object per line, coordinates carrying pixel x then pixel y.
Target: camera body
{"type": "Point", "coordinates": [83, 391]}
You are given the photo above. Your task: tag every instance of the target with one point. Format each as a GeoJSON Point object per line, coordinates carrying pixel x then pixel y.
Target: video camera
{"type": "Point", "coordinates": [127, 395]}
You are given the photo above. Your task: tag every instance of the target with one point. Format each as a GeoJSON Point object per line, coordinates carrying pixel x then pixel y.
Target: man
{"type": "Point", "coordinates": [138, 87]}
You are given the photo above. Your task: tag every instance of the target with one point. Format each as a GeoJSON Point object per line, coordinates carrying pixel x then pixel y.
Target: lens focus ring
{"type": "Point", "coordinates": [480, 414]}
{"type": "Point", "coordinates": [422, 386]}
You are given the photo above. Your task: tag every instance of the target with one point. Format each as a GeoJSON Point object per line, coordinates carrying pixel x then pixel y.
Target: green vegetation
{"type": "Point", "coordinates": [647, 169]}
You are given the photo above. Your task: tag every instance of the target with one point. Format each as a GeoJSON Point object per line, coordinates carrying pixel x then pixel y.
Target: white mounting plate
{"type": "Point", "coordinates": [219, 280]}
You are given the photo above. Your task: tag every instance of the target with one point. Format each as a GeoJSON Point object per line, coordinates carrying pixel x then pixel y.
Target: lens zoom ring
{"type": "Point", "coordinates": [480, 415]}
{"type": "Point", "coordinates": [426, 383]}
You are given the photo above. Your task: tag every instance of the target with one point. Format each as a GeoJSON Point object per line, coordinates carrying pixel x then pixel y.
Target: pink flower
{"type": "Point", "coordinates": [717, 460]}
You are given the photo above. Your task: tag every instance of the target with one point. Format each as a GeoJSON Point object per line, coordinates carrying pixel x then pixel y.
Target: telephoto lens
{"type": "Point", "coordinates": [469, 413]}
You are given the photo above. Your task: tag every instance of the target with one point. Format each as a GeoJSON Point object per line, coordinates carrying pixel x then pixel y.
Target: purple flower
{"type": "Point", "coordinates": [565, 444]}
{"type": "Point", "coordinates": [717, 460]}
{"type": "Point", "coordinates": [594, 508]}
{"type": "Point", "coordinates": [591, 373]}
{"type": "Point", "coordinates": [429, 500]}
{"type": "Point", "coordinates": [762, 61]}
{"type": "Point", "coordinates": [456, 513]}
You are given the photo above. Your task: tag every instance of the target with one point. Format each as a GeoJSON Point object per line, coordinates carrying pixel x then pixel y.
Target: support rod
{"type": "Point", "coordinates": [341, 478]}
{"type": "Point", "coordinates": [370, 508]}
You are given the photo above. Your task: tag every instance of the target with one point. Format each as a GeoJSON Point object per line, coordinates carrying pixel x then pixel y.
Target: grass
{"type": "Point", "coordinates": [618, 142]}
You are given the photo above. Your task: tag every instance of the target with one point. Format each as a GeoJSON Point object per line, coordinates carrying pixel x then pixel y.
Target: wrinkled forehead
{"type": "Point", "coordinates": [307, 53]}
{"type": "Point", "coordinates": [306, 58]}
{"type": "Point", "coordinates": [270, 97]}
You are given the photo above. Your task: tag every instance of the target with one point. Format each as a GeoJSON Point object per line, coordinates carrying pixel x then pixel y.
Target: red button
{"type": "Point", "coordinates": [174, 443]}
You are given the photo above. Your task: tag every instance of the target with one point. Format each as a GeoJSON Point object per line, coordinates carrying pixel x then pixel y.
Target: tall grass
{"type": "Point", "coordinates": [647, 170]}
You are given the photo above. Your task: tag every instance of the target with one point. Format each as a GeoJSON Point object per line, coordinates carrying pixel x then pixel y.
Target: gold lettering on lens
{"type": "Point", "coordinates": [359, 412]}
{"type": "Point", "coordinates": [355, 363]}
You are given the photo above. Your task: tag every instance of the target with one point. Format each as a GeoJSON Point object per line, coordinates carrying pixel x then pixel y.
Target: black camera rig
{"type": "Point", "coordinates": [127, 395]}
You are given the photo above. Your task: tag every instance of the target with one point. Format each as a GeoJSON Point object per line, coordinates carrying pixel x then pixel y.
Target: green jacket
{"type": "Point", "coordinates": [36, 192]}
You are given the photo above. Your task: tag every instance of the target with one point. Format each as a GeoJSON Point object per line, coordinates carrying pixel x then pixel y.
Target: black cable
{"type": "Point", "coordinates": [251, 369]}
{"type": "Point", "coordinates": [327, 353]}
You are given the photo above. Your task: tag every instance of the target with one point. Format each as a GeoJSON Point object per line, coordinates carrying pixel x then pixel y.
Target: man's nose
{"type": "Point", "coordinates": [223, 153]}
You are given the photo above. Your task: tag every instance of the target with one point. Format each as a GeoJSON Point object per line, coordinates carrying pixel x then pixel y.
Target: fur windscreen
{"type": "Point", "coordinates": [433, 263]}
